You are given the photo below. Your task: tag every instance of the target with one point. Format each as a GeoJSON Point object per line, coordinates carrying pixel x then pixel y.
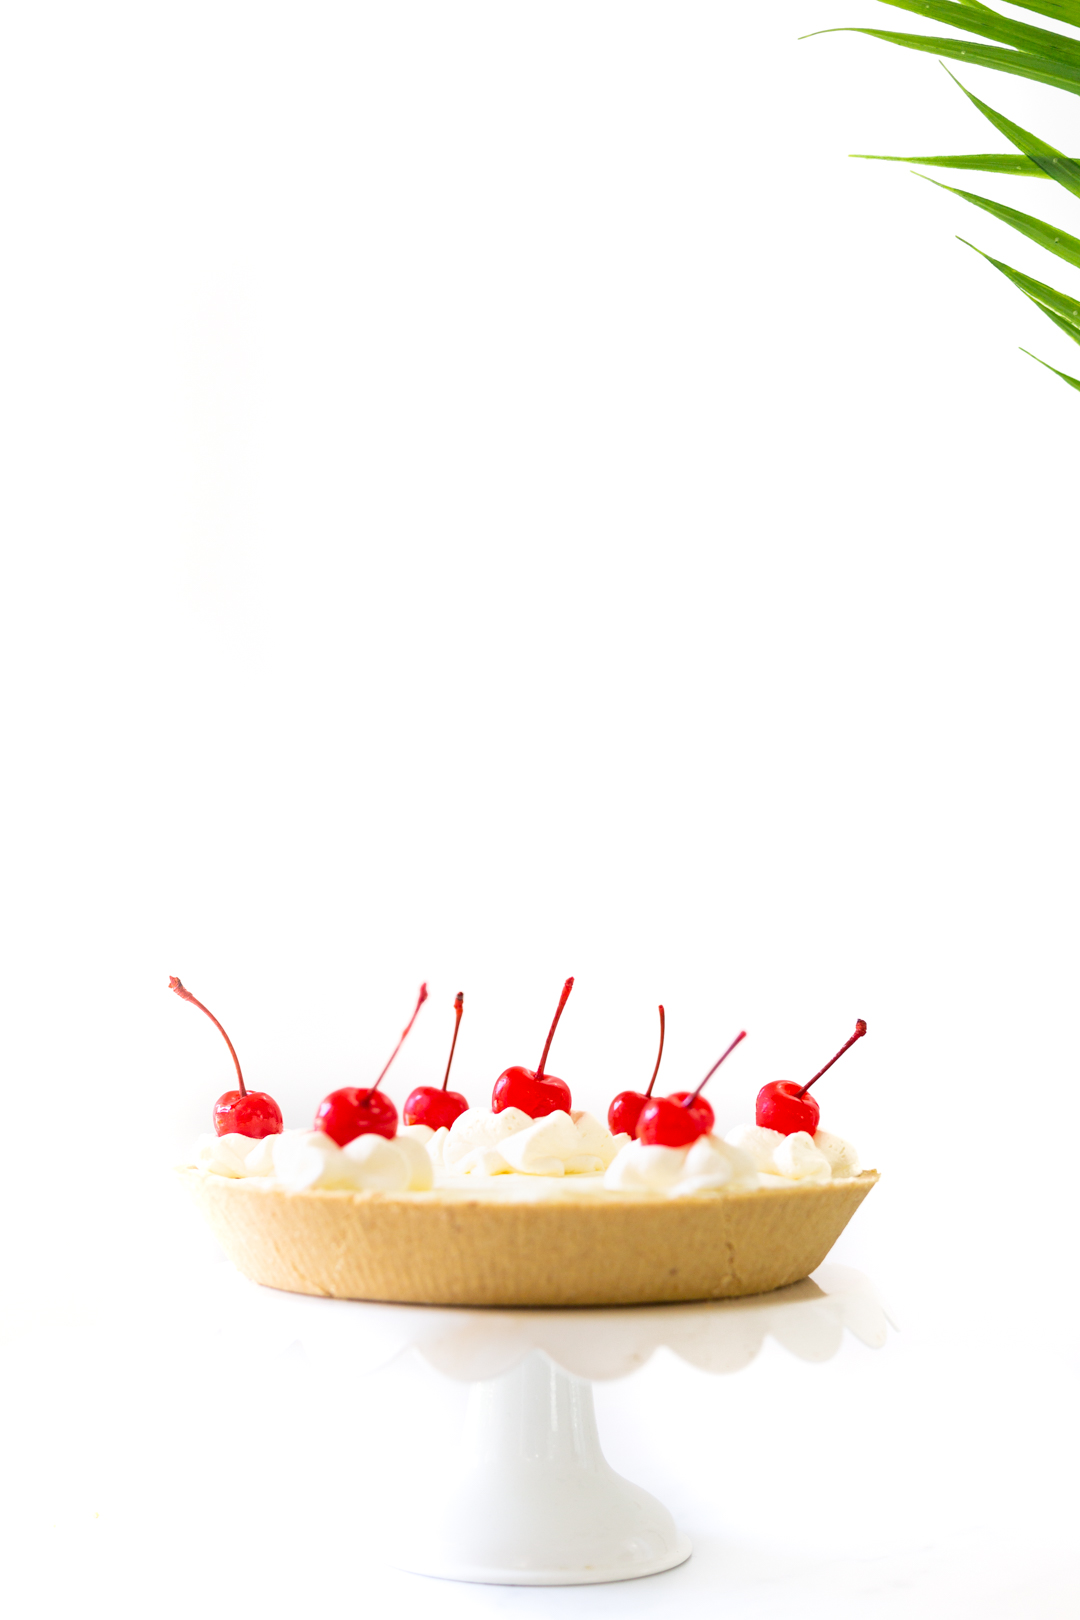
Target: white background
{"type": "Point", "coordinates": [492, 492]}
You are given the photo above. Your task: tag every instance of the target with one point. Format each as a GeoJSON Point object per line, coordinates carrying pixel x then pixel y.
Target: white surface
{"type": "Point", "coordinates": [492, 492]}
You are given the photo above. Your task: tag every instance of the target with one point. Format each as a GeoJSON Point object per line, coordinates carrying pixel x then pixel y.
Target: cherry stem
{"type": "Point", "coordinates": [563, 999]}
{"type": "Point", "coordinates": [459, 1004]}
{"type": "Point", "coordinates": [659, 1055]}
{"type": "Point", "coordinates": [421, 998]}
{"type": "Point", "coordinates": [860, 1031]}
{"type": "Point", "coordinates": [741, 1036]}
{"type": "Point", "coordinates": [186, 995]}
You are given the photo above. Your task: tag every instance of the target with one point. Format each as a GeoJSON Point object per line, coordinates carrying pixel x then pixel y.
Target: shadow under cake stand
{"type": "Point", "coordinates": [532, 1501]}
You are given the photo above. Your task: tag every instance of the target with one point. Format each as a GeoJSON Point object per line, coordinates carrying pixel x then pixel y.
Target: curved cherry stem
{"type": "Point", "coordinates": [741, 1036]}
{"type": "Point", "coordinates": [563, 999]}
{"type": "Point", "coordinates": [186, 995]}
{"type": "Point", "coordinates": [459, 1004]}
{"type": "Point", "coordinates": [860, 1031]}
{"type": "Point", "coordinates": [421, 998]}
{"type": "Point", "coordinates": [659, 1055]}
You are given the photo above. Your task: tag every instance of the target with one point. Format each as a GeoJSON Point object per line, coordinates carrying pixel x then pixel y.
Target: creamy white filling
{"type": "Point", "coordinates": [369, 1163]}
{"type": "Point", "coordinates": [482, 1143]}
{"type": "Point", "coordinates": [235, 1155]}
{"type": "Point", "coordinates": [708, 1165]}
{"type": "Point", "coordinates": [299, 1160]}
{"type": "Point", "coordinates": [798, 1157]}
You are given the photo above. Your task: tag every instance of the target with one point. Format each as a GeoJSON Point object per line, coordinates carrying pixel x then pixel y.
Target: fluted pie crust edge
{"type": "Point", "coordinates": [609, 1249]}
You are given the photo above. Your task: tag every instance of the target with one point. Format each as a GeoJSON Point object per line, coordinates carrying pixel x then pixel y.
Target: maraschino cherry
{"type": "Point", "coordinates": [626, 1108]}
{"type": "Point", "coordinates": [434, 1106]}
{"type": "Point", "coordinates": [678, 1120]}
{"type": "Point", "coordinates": [531, 1090]}
{"type": "Point", "coordinates": [358, 1111]}
{"type": "Point", "coordinates": [784, 1106]}
{"type": "Point", "coordinates": [247, 1113]}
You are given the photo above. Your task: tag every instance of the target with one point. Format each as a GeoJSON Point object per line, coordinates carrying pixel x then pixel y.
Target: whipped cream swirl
{"type": "Point", "coordinates": [482, 1143]}
{"type": "Point", "coordinates": [302, 1160]}
{"type": "Point", "coordinates": [798, 1157]}
{"type": "Point", "coordinates": [708, 1165]}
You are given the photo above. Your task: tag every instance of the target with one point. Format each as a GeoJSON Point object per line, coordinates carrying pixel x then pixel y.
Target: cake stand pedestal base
{"type": "Point", "coordinates": [534, 1502]}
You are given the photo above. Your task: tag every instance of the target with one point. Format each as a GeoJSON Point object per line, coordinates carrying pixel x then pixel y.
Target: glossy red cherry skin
{"type": "Point", "coordinates": [666, 1123]}
{"type": "Point", "coordinates": [701, 1106]}
{"type": "Point", "coordinates": [356, 1111]}
{"type": "Point", "coordinates": [434, 1107]}
{"type": "Point", "coordinates": [248, 1113]}
{"type": "Point", "coordinates": [780, 1108]}
{"type": "Point", "coordinates": [625, 1111]}
{"type": "Point", "coordinates": [520, 1088]}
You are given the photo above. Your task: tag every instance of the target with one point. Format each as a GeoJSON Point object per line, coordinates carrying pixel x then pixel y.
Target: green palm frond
{"type": "Point", "coordinates": [983, 162]}
{"type": "Point", "coordinates": [1062, 310]}
{"type": "Point", "coordinates": [992, 25]}
{"type": "Point", "coordinates": [1073, 382]}
{"type": "Point", "coordinates": [1025, 51]}
{"type": "Point", "coordinates": [1037, 230]}
{"type": "Point", "coordinates": [1054, 164]}
{"type": "Point", "coordinates": [1026, 65]}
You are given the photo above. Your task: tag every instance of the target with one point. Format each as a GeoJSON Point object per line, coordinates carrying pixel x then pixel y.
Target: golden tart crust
{"type": "Point", "coordinates": [596, 1248]}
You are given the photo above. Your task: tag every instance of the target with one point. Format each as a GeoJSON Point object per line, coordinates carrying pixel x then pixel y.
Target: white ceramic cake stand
{"type": "Point", "coordinates": [531, 1500]}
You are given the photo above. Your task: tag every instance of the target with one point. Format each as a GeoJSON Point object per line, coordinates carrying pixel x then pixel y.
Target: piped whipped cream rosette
{"type": "Point", "coordinates": [481, 1142]}
{"type": "Point", "coordinates": [708, 1165]}
{"type": "Point", "coordinates": [747, 1158]}
{"type": "Point", "coordinates": [236, 1155]}
{"type": "Point", "coordinates": [302, 1161]}
{"type": "Point", "coordinates": [369, 1163]}
{"type": "Point", "coordinates": [796, 1157]}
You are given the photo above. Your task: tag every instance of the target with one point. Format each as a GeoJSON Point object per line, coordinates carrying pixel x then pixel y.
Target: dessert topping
{"type": "Point", "coordinates": [707, 1165]}
{"type": "Point", "coordinates": [369, 1163]}
{"type": "Point", "coordinates": [253, 1114]}
{"type": "Point", "coordinates": [531, 1090]}
{"type": "Point", "coordinates": [796, 1156]}
{"type": "Point", "coordinates": [785, 1106]}
{"type": "Point", "coordinates": [434, 1105]}
{"type": "Point", "coordinates": [678, 1120]}
{"type": "Point", "coordinates": [354, 1111]}
{"type": "Point", "coordinates": [490, 1144]}
{"type": "Point", "coordinates": [626, 1108]}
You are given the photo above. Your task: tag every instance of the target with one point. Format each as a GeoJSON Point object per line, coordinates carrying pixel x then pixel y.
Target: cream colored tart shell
{"type": "Point", "coordinates": [460, 1248]}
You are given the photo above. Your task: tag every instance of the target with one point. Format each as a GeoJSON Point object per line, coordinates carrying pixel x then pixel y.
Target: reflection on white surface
{"type": "Point", "coordinates": [808, 1319]}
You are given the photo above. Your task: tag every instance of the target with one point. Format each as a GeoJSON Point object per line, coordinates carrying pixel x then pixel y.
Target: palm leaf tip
{"type": "Point", "coordinates": [977, 162]}
{"type": "Point", "coordinates": [1073, 382]}
{"type": "Point", "coordinates": [1056, 241]}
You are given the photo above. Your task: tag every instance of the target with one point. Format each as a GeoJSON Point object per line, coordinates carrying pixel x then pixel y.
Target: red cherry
{"type": "Point", "coordinates": [701, 1106]}
{"type": "Point", "coordinates": [434, 1106]}
{"type": "Point", "coordinates": [665, 1123]}
{"type": "Point", "coordinates": [355, 1111]}
{"type": "Point", "coordinates": [520, 1088]}
{"type": "Point", "coordinates": [784, 1106]}
{"type": "Point", "coordinates": [678, 1120]}
{"type": "Point", "coordinates": [625, 1110]}
{"type": "Point", "coordinates": [531, 1090]}
{"type": "Point", "coordinates": [248, 1113]}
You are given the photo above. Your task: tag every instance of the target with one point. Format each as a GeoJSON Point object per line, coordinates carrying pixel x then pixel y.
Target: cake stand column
{"type": "Point", "coordinates": [534, 1502]}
